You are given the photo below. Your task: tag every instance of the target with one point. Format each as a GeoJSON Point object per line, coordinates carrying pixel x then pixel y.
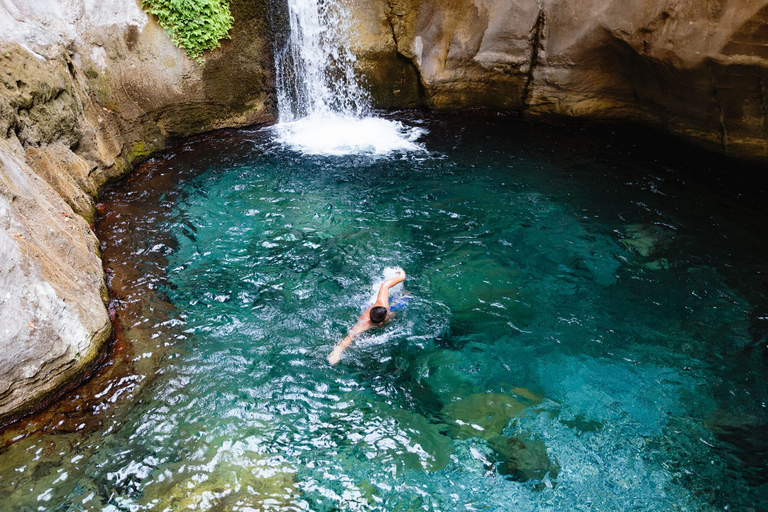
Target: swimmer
{"type": "Point", "coordinates": [371, 317]}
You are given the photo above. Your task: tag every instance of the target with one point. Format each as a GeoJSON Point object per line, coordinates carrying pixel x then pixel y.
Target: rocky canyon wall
{"type": "Point", "coordinates": [87, 89]}
{"type": "Point", "coordinates": [696, 68]}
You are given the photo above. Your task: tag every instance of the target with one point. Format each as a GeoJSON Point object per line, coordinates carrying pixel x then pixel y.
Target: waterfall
{"type": "Point", "coordinates": [323, 109]}
{"type": "Point", "coordinates": [315, 70]}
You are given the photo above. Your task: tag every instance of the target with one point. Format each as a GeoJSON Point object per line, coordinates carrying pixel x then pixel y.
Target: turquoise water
{"type": "Point", "coordinates": [587, 330]}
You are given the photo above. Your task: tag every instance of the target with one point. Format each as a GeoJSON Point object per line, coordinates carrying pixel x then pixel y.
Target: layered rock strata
{"type": "Point", "coordinates": [697, 68]}
{"type": "Point", "coordinates": [86, 90]}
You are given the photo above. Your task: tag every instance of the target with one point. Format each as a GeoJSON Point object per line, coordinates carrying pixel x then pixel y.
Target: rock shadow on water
{"type": "Point", "coordinates": [745, 440]}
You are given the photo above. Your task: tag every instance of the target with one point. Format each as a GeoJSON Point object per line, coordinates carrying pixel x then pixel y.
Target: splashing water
{"type": "Point", "coordinates": [322, 107]}
{"type": "Point", "coordinates": [333, 134]}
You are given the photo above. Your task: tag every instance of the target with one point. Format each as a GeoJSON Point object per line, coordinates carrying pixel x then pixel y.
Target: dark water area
{"type": "Point", "coordinates": [587, 330]}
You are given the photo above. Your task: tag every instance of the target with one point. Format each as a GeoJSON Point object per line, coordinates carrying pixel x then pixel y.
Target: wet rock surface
{"type": "Point", "coordinates": [86, 91]}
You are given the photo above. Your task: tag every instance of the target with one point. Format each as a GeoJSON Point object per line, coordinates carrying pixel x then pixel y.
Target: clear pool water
{"type": "Point", "coordinates": [587, 330]}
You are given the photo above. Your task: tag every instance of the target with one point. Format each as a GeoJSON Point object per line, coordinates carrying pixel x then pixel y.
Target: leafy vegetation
{"type": "Point", "coordinates": [196, 26]}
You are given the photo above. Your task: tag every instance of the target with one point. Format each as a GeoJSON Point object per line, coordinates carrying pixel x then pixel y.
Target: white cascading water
{"type": "Point", "coordinates": [322, 108]}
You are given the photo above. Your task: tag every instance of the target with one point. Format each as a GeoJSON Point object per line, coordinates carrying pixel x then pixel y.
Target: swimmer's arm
{"type": "Point", "coordinates": [335, 356]}
{"type": "Point", "coordinates": [383, 298]}
{"type": "Point", "coordinates": [362, 325]}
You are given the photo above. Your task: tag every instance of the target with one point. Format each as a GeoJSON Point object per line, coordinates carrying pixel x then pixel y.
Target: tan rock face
{"type": "Point", "coordinates": [86, 90]}
{"type": "Point", "coordinates": [52, 317]}
{"type": "Point", "coordinates": [388, 75]}
{"type": "Point", "coordinates": [696, 68]}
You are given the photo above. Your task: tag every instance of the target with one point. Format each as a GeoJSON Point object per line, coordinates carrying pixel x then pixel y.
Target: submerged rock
{"type": "Point", "coordinates": [647, 239]}
{"type": "Point", "coordinates": [425, 447]}
{"type": "Point", "coordinates": [482, 414]}
{"type": "Point", "coordinates": [524, 458]}
{"type": "Point", "coordinates": [227, 487]}
{"type": "Point", "coordinates": [744, 437]}
{"type": "Point", "coordinates": [440, 377]}
{"type": "Point", "coordinates": [486, 416]}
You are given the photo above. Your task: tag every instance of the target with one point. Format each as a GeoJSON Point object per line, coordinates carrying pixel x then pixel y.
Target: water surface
{"type": "Point", "coordinates": [587, 330]}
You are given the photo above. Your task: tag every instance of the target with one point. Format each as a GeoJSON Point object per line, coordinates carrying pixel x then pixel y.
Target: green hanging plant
{"type": "Point", "coordinates": [196, 26]}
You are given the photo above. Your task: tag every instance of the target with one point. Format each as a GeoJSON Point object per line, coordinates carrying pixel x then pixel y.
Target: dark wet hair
{"type": "Point", "coordinates": [378, 314]}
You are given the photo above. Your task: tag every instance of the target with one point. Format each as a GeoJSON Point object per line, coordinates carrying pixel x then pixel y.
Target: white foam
{"type": "Point", "coordinates": [388, 273]}
{"type": "Point", "coordinates": [338, 134]}
{"type": "Point", "coordinates": [323, 108]}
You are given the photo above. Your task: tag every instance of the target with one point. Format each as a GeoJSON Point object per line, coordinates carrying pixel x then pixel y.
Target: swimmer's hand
{"type": "Point", "coordinates": [399, 278]}
{"type": "Point", "coordinates": [335, 356]}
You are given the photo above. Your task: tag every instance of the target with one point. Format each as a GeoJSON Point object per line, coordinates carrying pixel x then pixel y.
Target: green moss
{"type": "Point", "coordinates": [139, 151]}
{"type": "Point", "coordinates": [196, 26]}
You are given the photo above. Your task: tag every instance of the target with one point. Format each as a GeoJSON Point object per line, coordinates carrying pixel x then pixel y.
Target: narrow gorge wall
{"type": "Point", "coordinates": [86, 90]}
{"type": "Point", "coordinates": [696, 68]}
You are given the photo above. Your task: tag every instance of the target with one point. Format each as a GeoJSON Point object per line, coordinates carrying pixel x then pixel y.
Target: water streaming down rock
{"type": "Point", "coordinates": [322, 107]}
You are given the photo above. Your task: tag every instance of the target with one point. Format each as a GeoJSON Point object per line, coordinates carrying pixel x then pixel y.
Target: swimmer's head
{"type": "Point", "coordinates": [378, 314]}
